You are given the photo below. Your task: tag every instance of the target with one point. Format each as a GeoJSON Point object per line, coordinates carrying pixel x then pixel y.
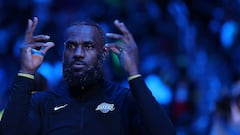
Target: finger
{"type": "Point", "coordinates": [28, 34]}
{"type": "Point", "coordinates": [37, 52]}
{"type": "Point", "coordinates": [32, 24]}
{"type": "Point", "coordinates": [115, 50]}
{"type": "Point", "coordinates": [35, 22]}
{"type": "Point", "coordinates": [46, 47]}
{"type": "Point", "coordinates": [40, 38]}
{"type": "Point", "coordinates": [43, 50]}
{"type": "Point", "coordinates": [117, 36]}
{"type": "Point", "coordinates": [115, 47]}
{"type": "Point", "coordinates": [121, 26]}
{"type": "Point", "coordinates": [34, 45]}
{"type": "Point", "coordinates": [119, 52]}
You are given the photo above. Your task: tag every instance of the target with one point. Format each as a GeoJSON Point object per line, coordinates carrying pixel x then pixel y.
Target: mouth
{"type": "Point", "coordinates": [78, 65]}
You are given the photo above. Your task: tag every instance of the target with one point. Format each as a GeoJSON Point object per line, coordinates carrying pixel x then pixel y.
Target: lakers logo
{"type": "Point", "coordinates": [105, 107]}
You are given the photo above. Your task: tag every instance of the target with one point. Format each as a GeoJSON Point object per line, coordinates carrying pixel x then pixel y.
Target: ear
{"type": "Point", "coordinates": [105, 53]}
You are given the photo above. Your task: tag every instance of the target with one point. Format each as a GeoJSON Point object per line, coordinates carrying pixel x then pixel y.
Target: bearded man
{"type": "Point", "coordinates": [86, 104]}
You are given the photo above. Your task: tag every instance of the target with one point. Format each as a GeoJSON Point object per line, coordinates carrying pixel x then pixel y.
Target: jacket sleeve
{"type": "Point", "coordinates": [154, 118]}
{"type": "Point", "coordinates": [16, 118]}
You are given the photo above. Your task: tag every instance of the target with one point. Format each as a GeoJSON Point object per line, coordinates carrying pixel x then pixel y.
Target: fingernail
{"type": "Point", "coordinates": [46, 36]}
{"type": "Point", "coordinates": [49, 43]}
{"type": "Point", "coordinates": [108, 34]}
{"type": "Point", "coordinates": [105, 48]}
{"type": "Point", "coordinates": [116, 21]}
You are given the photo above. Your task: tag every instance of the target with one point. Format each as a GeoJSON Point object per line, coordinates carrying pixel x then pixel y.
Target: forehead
{"type": "Point", "coordinates": [82, 32]}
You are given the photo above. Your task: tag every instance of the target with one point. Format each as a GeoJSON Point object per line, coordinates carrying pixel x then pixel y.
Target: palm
{"type": "Point", "coordinates": [32, 62]}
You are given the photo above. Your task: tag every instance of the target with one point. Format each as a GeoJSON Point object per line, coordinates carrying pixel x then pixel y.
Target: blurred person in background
{"type": "Point", "coordinates": [86, 103]}
{"type": "Point", "coordinates": [226, 119]}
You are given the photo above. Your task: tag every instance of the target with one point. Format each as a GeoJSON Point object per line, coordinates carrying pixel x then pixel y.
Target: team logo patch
{"type": "Point", "coordinates": [105, 107]}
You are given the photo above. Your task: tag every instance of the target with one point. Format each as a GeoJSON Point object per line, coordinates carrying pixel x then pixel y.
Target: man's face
{"type": "Point", "coordinates": [81, 61]}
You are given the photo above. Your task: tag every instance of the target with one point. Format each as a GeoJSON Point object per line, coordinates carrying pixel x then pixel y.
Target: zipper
{"type": "Point", "coordinates": [82, 117]}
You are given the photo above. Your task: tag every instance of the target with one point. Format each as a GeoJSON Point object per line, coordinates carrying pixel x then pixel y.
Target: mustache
{"type": "Point", "coordinates": [78, 62]}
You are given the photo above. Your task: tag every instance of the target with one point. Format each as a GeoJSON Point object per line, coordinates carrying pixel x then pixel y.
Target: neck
{"type": "Point", "coordinates": [81, 90]}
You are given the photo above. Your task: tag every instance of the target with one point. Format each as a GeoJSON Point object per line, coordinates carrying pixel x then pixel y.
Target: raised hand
{"type": "Point", "coordinates": [126, 48]}
{"type": "Point", "coordinates": [34, 48]}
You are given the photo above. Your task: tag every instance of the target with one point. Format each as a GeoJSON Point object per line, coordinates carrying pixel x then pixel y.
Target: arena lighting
{"type": "Point", "coordinates": [228, 33]}
{"type": "Point", "coordinates": [160, 91]}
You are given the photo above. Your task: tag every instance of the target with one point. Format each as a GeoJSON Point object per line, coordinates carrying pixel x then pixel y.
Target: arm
{"type": "Point", "coordinates": [153, 116]}
{"type": "Point", "coordinates": [16, 115]}
{"type": "Point", "coordinates": [16, 112]}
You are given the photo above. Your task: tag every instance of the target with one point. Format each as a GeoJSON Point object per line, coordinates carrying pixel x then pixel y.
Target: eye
{"type": "Point", "coordinates": [70, 45]}
{"type": "Point", "coordinates": [88, 46]}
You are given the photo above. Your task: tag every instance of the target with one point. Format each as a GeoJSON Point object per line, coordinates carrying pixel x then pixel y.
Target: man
{"type": "Point", "coordinates": [87, 104]}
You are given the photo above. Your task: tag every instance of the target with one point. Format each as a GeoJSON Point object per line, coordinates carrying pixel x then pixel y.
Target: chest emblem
{"type": "Point", "coordinates": [56, 108]}
{"type": "Point", "coordinates": [105, 107]}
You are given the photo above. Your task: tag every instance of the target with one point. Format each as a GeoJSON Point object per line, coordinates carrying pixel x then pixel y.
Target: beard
{"type": "Point", "coordinates": [85, 78]}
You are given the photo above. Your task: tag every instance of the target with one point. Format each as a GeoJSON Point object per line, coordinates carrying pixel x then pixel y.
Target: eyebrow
{"type": "Point", "coordinates": [74, 42]}
{"type": "Point", "coordinates": [88, 42]}
{"type": "Point", "coordinates": [68, 41]}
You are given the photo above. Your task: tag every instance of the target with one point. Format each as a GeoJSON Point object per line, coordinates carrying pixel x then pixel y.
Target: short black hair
{"type": "Point", "coordinates": [94, 24]}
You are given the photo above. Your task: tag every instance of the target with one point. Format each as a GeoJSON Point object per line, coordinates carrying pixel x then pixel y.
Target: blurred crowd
{"type": "Point", "coordinates": [189, 52]}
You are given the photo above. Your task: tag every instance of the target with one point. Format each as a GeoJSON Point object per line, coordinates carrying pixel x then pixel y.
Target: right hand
{"type": "Point", "coordinates": [31, 61]}
{"type": "Point", "coordinates": [127, 48]}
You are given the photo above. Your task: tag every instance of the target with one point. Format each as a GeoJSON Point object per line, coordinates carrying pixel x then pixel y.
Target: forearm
{"type": "Point", "coordinates": [154, 117]}
{"type": "Point", "coordinates": [17, 110]}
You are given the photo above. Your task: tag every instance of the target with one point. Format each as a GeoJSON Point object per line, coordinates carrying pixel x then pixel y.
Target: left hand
{"type": "Point", "coordinates": [126, 49]}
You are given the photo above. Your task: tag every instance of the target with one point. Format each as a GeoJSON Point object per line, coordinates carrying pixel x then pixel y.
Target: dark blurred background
{"type": "Point", "coordinates": [189, 52]}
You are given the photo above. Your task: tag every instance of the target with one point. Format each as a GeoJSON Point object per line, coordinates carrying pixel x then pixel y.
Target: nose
{"type": "Point", "coordinates": [79, 52]}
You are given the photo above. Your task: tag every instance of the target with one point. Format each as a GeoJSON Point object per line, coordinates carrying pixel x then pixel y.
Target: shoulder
{"type": "Point", "coordinates": [43, 95]}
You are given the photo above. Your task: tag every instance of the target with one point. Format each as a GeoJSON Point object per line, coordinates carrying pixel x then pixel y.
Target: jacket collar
{"type": "Point", "coordinates": [81, 93]}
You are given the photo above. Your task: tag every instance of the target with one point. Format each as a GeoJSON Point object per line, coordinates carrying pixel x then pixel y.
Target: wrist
{"type": "Point", "coordinates": [26, 75]}
{"type": "Point", "coordinates": [133, 71]}
{"type": "Point", "coordinates": [134, 77]}
{"type": "Point", "coordinates": [26, 72]}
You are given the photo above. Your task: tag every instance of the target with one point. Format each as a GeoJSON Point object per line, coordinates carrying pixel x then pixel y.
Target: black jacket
{"type": "Point", "coordinates": [104, 109]}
